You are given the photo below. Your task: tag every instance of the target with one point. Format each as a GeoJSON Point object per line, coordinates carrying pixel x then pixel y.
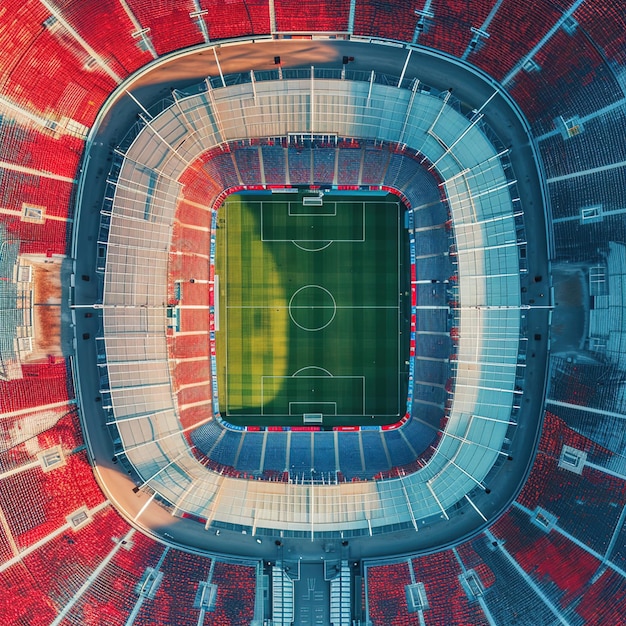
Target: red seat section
{"type": "Point", "coordinates": [587, 505]}
{"type": "Point", "coordinates": [236, 585]}
{"type": "Point", "coordinates": [449, 30]}
{"type": "Point", "coordinates": [52, 496]}
{"type": "Point", "coordinates": [108, 29]}
{"type": "Point", "coordinates": [572, 79]}
{"type": "Point", "coordinates": [57, 78]}
{"type": "Point", "coordinates": [21, 25]}
{"type": "Point", "coordinates": [605, 22]}
{"type": "Point", "coordinates": [395, 19]}
{"type": "Point", "coordinates": [42, 384]}
{"type": "Point", "coordinates": [386, 595]}
{"type": "Point", "coordinates": [171, 26]}
{"type": "Point", "coordinates": [34, 148]}
{"type": "Point", "coordinates": [513, 32]}
{"type": "Point", "coordinates": [310, 15]}
{"type": "Point", "coordinates": [173, 602]}
{"type": "Point", "coordinates": [448, 601]}
{"type": "Point", "coordinates": [236, 18]}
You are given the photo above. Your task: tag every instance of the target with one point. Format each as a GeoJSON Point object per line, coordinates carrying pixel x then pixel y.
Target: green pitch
{"type": "Point", "coordinates": [310, 314]}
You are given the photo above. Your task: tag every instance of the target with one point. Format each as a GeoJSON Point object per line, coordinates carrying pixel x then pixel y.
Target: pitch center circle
{"type": "Point", "coordinates": [312, 308]}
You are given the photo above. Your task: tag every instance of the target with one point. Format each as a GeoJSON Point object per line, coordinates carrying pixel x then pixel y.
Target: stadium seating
{"type": "Point", "coordinates": [513, 33]}
{"type": "Point", "coordinates": [109, 31]}
{"type": "Point", "coordinates": [568, 197]}
{"type": "Point", "coordinates": [236, 19]}
{"type": "Point", "coordinates": [275, 460]}
{"type": "Point", "coordinates": [323, 165]}
{"type": "Point", "coordinates": [450, 28]}
{"type": "Point", "coordinates": [349, 164]}
{"type": "Point", "coordinates": [393, 19]}
{"type": "Point", "coordinates": [251, 460]}
{"type": "Point", "coordinates": [510, 596]}
{"type": "Point", "coordinates": [560, 568]}
{"type": "Point", "coordinates": [375, 163]}
{"type": "Point", "coordinates": [274, 164]}
{"type": "Point", "coordinates": [52, 496]}
{"type": "Point", "coordinates": [174, 599]}
{"type": "Point", "coordinates": [571, 80]}
{"type": "Point", "coordinates": [111, 596]}
{"type": "Point", "coordinates": [584, 150]}
{"type": "Point", "coordinates": [311, 16]}
{"type": "Point", "coordinates": [587, 505]}
{"type": "Point", "coordinates": [32, 147]}
{"type": "Point", "coordinates": [220, 167]}
{"type": "Point", "coordinates": [75, 556]}
{"type": "Point", "coordinates": [26, 21]}
{"type": "Point", "coordinates": [324, 452]}
{"type": "Point", "coordinates": [606, 26]}
{"type": "Point", "coordinates": [22, 601]}
{"type": "Point", "coordinates": [170, 25]}
{"type": "Point", "coordinates": [225, 450]}
{"type": "Point", "coordinates": [42, 384]}
{"type": "Point", "coordinates": [248, 164]}
{"type": "Point", "coordinates": [386, 595]}
{"type": "Point", "coordinates": [448, 601]}
{"type": "Point", "coordinates": [56, 78]}
{"type": "Point", "coordinates": [235, 594]}
{"type": "Point", "coordinates": [299, 159]}
{"type": "Point", "coordinates": [604, 600]}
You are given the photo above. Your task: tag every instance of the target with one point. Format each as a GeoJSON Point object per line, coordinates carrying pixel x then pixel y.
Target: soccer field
{"type": "Point", "coordinates": [310, 309]}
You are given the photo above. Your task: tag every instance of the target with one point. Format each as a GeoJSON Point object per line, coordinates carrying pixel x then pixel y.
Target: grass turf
{"type": "Point", "coordinates": [306, 293]}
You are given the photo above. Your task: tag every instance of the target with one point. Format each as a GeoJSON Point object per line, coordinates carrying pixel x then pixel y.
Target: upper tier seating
{"type": "Point", "coordinates": [170, 25]}
{"type": "Point", "coordinates": [108, 29]}
{"type": "Point", "coordinates": [309, 15]}
{"type": "Point", "coordinates": [236, 18]}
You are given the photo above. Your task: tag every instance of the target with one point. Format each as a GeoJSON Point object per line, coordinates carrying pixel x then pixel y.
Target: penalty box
{"type": "Point", "coordinates": [328, 395]}
{"type": "Point", "coordinates": [334, 220]}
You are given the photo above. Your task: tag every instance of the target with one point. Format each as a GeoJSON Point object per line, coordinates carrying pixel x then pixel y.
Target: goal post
{"type": "Point", "coordinates": [309, 419]}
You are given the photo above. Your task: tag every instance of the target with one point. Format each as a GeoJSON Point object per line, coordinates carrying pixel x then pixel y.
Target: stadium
{"type": "Point", "coordinates": [312, 312]}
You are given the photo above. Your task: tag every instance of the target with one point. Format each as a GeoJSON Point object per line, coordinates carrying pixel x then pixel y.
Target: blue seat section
{"type": "Point", "coordinates": [432, 319]}
{"type": "Point", "coordinates": [225, 452]}
{"type": "Point", "coordinates": [569, 196]}
{"type": "Point", "coordinates": [300, 166]}
{"type": "Point", "coordinates": [205, 437]}
{"type": "Point", "coordinates": [374, 452]}
{"type": "Point", "coordinates": [433, 346]}
{"type": "Point", "coordinates": [393, 169]}
{"type": "Point", "coordinates": [323, 165]}
{"type": "Point", "coordinates": [427, 195]}
{"type": "Point", "coordinates": [436, 242]}
{"type": "Point", "coordinates": [421, 434]}
{"type": "Point", "coordinates": [222, 168]}
{"type": "Point", "coordinates": [375, 163]}
{"type": "Point", "coordinates": [350, 455]}
{"type": "Point", "coordinates": [401, 170]}
{"type": "Point", "coordinates": [324, 452]}
{"type": "Point", "coordinates": [349, 165]}
{"type": "Point", "coordinates": [248, 164]}
{"type": "Point", "coordinates": [249, 459]}
{"type": "Point", "coordinates": [425, 393]}
{"type": "Point", "coordinates": [274, 164]}
{"type": "Point", "coordinates": [432, 294]}
{"type": "Point", "coordinates": [399, 452]}
{"type": "Point", "coordinates": [300, 461]}
{"type": "Point", "coordinates": [437, 267]}
{"type": "Point", "coordinates": [275, 452]}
